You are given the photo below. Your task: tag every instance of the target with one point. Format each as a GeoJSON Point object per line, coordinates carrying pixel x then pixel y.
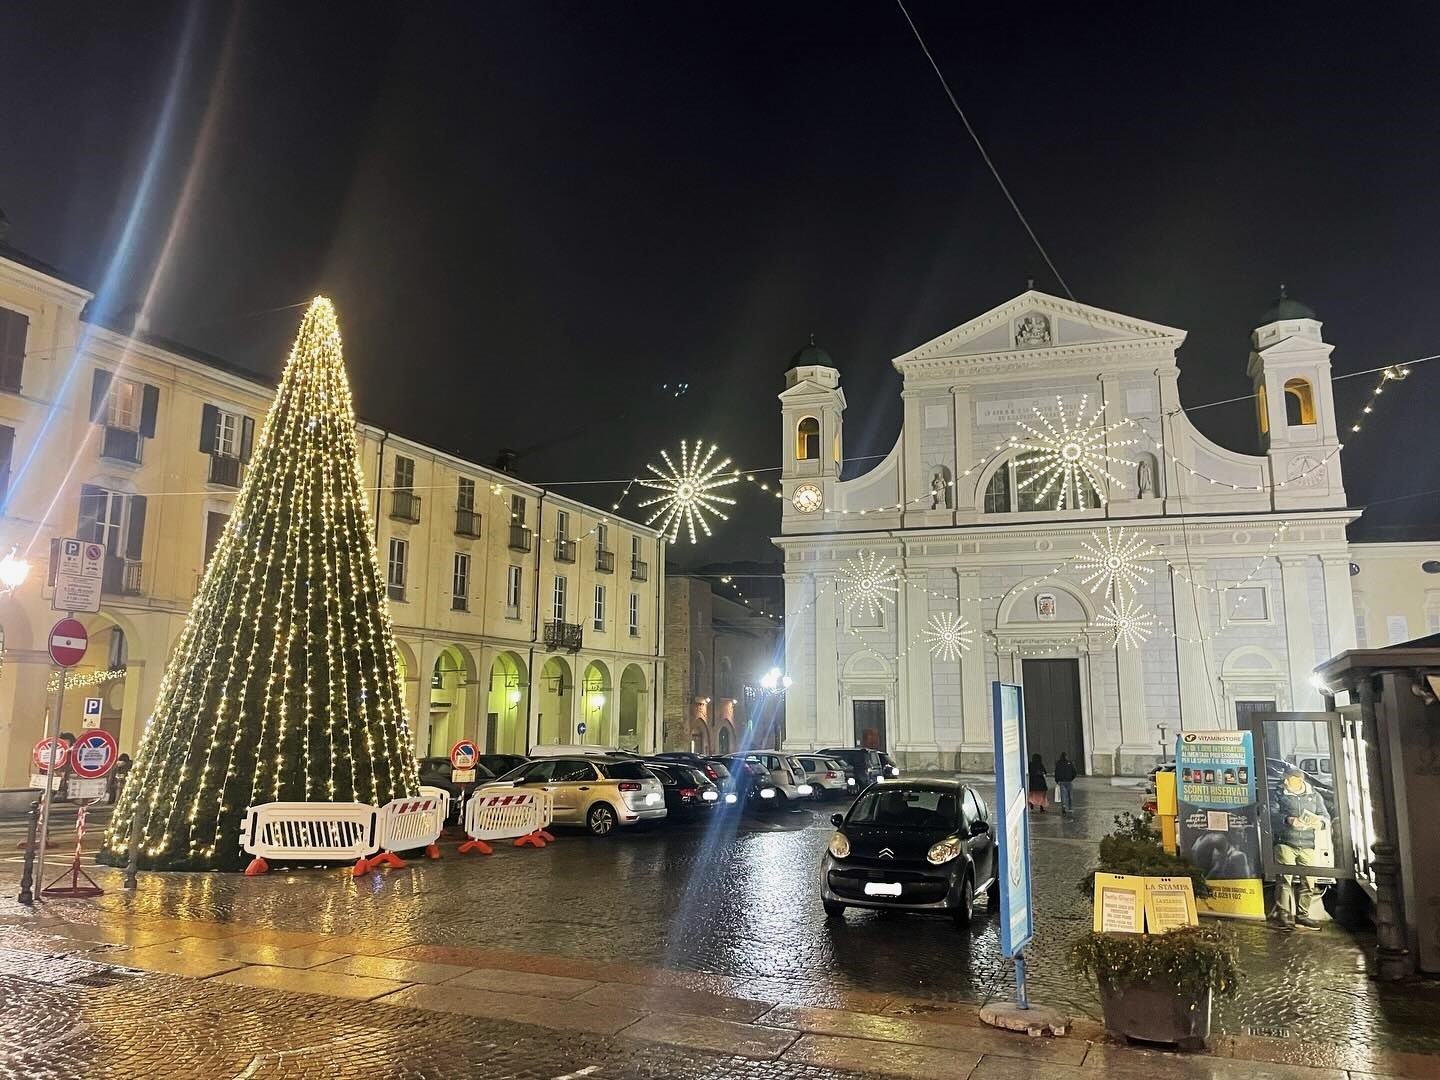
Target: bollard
{"type": "Point", "coordinates": [132, 858]}
{"type": "Point", "coordinates": [27, 876]}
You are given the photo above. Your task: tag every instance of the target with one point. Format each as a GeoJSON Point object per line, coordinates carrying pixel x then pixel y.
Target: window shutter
{"type": "Point", "coordinates": [209, 422]}
{"type": "Point", "coordinates": [135, 536]}
{"type": "Point", "coordinates": [149, 406]}
{"type": "Point", "coordinates": [99, 395]}
{"type": "Point", "coordinates": [92, 500]}
{"type": "Point", "coordinates": [7, 447]}
{"type": "Point", "coordinates": [247, 438]}
{"type": "Point", "coordinates": [13, 328]}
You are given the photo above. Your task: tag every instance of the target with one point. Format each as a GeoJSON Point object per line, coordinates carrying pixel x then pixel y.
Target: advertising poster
{"type": "Point", "coordinates": [1219, 819]}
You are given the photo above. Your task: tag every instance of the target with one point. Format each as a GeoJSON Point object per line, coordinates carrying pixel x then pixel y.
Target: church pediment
{"type": "Point", "coordinates": [1038, 323]}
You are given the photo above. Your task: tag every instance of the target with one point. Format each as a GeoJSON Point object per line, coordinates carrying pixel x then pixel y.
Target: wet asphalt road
{"type": "Point", "coordinates": [739, 899]}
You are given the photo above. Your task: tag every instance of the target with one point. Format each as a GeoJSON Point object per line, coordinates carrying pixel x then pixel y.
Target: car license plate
{"type": "Point", "coordinates": [882, 888]}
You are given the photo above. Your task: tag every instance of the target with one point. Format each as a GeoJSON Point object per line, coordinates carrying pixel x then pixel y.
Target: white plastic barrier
{"type": "Point", "coordinates": [407, 823]}
{"type": "Point", "coordinates": [506, 813]}
{"type": "Point", "coordinates": [326, 832]}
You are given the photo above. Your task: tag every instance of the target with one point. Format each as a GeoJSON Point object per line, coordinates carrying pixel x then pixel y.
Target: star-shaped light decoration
{"type": "Point", "coordinates": [1127, 621]}
{"type": "Point", "coordinates": [688, 492]}
{"type": "Point", "coordinates": [948, 636]}
{"type": "Point", "coordinates": [1115, 560]}
{"type": "Point", "coordinates": [867, 583]}
{"type": "Point", "coordinates": [1070, 460]}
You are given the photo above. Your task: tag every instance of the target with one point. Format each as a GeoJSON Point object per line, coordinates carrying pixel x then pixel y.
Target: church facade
{"type": "Point", "coordinates": [1050, 516]}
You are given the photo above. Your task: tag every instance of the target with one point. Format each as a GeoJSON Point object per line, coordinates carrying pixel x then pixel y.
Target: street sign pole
{"type": "Point", "coordinates": [49, 793]}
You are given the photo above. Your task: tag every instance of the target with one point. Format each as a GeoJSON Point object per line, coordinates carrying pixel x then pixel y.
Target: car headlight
{"type": "Point", "coordinates": [944, 851]}
{"type": "Point", "coordinates": [730, 797]}
{"type": "Point", "coordinates": [804, 789]}
{"type": "Point", "coordinates": [767, 793]}
{"type": "Point", "coordinates": [840, 846]}
{"type": "Point", "coordinates": [850, 780]}
{"type": "Point", "coordinates": [894, 770]}
{"type": "Point", "coordinates": [710, 796]}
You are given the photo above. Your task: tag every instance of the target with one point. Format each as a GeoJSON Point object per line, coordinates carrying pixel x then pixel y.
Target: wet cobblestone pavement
{"type": "Point", "coordinates": [735, 909]}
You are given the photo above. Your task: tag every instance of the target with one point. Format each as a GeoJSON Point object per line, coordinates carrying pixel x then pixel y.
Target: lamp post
{"type": "Point", "coordinates": [775, 682]}
{"type": "Point", "coordinates": [13, 572]}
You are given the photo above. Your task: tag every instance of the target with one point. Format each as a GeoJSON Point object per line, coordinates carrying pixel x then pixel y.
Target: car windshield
{"type": "Point", "coordinates": [627, 770]}
{"type": "Point", "coordinates": [900, 808]}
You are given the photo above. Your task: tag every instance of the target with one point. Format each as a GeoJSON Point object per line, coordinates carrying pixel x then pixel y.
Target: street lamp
{"type": "Point", "coordinates": [13, 573]}
{"type": "Point", "coordinates": [775, 681]}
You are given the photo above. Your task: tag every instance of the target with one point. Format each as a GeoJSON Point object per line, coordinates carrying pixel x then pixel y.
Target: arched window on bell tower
{"type": "Point", "coordinates": [807, 439]}
{"type": "Point", "coordinates": [1299, 402]}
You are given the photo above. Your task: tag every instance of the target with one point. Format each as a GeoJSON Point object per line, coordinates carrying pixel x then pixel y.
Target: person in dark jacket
{"type": "Point", "coordinates": [1065, 780]}
{"type": "Point", "coordinates": [1039, 784]}
{"type": "Point", "coordinates": [1296, 813]}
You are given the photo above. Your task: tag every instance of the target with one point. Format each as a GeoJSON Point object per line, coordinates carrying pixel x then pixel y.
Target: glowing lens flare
{"type": "Point", "coordinates": [688, 492]}
{"type": "Point", "coordinates": [1071, 460]}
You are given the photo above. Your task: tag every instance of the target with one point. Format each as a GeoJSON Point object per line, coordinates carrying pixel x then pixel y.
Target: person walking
{"type": "Point", "coordinates": [1296, 813]}
{"type": "Point", "coordinates": [1039, 784]}
{"type": "Point", "coordinates": [1064, 783]}
{"type": "Point", "coordinates": [117, 777]}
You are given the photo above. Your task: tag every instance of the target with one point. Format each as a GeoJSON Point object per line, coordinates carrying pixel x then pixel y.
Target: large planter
{"type": "Point", "coordinates": [1155, 1012]}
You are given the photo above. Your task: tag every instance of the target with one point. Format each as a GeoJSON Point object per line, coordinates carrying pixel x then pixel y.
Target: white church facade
{"type": "Point", "coordinates": [1050, 516]}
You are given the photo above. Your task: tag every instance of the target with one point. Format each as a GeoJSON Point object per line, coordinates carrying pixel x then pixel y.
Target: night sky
{"type": "Point", "coordinates": [532, 215]}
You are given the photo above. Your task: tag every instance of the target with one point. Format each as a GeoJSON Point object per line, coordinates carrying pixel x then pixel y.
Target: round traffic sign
{"type": "Point", "coordinates": [94, 754]}
{"type": "Point", "coordinates": [68, 639]}
{"type": "Point", "coordinates": [463, 754]}
{"type": "Point", "coordinates": [581, 728]}
{"type": "Point", "coordinates": [50, 754]}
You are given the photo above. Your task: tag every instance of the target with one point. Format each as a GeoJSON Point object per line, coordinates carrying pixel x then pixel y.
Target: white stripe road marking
{"type": "Point", "coordinates": [67, 642]}
{"type": "Point", "coordinates": [583, 1072]}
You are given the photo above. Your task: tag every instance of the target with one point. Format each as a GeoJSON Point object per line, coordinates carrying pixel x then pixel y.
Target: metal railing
{"type": "Point", "coordinates": [639, 570]}
{"type": "Point", "coordinates": [564, 635]}
{"type": "Point", "coordinates": [605, 562]}
{"type": "Point", "coordinates": [121, 444]}
{"type": "Point", "coordinates": [224, 470]}
{"type": "Point", "coordinates": [467, 523]}
{"type": "Point", "coordinates": [395, 592]}
{"type": "Point", "coordinates": [405, 506]}
{"type": "Point", "coordinates": [121, 576]}
{"type": "Point", "coordinates": [564, 550]}
{"type": "Point", "coordinates": [520, 538]}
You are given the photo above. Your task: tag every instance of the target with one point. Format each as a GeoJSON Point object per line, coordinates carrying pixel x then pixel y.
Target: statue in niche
{"type": "Point", "coordinates": [940, 489]}
{"type": "Point", "coordinates": [1032, 331]}
{"type": "Point", "coordinates": [1145, 478]}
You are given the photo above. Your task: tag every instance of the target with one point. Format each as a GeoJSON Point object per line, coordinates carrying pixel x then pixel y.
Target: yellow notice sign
{"type": "Point", "coordinates": [1119, 904]}
{"type": "Point", "coordinates": [1169, 904]}
{"type": "Point", "coordinates": [1125, 904]}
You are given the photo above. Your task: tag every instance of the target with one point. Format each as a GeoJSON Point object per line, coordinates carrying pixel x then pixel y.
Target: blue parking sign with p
{"type": "Point", "coordinates": [92, 706]}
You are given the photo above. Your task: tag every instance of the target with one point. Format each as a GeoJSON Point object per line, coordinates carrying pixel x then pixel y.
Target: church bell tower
{"type": "Point", "coordinates": [812, 410]}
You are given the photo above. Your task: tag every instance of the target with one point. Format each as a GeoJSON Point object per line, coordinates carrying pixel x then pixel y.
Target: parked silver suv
{"type": "Point", "coordinates": [595, 791]}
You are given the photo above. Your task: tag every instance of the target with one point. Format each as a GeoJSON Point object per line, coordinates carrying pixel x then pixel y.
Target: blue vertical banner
{"type": "Point", "coordinates": [1012, 818]}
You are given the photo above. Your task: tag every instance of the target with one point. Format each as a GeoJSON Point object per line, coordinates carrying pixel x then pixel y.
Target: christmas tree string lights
{"type": "Point", "coordinates": [285, 682]}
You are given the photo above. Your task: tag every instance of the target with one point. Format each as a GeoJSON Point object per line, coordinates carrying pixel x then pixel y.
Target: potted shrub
{"type": "Point", "coordinates": [1155, 987]}
{"type": "Point", "coordinates": [1159, 987]}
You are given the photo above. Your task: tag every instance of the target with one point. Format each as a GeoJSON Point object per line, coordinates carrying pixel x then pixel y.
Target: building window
{"type": "Point", "coordinates": [460, 583]}
{"type": "Point", "coordinates": [214, 529]}
{"type": "Point", "coordinates": [1262, 402]}
{"type": "Point", "coordinates": [1361, 638]}
{"type": "Point", "coordinates": [512, 592]}
{"type": "Point", "coordinates": [517, 509]}
{"type": "Point", "coordinates": [404, 503]}
{"type": "Point", "coordinates": [228, 438]}
{"type": "Point", "coordinates": [404, 473]}
{"type": "Point", "coordinates": [807, 439]}
{"type": "Point", "coordinates": [122, 409]}
{"type": "Point", "coordinates": [465, 494]}
{"type": "Point", "coordinates": [395, 576]}
{"type": "Point", "coordinates": [562, 525]}
{"type": "Point", "coordinates": [634, 614]}
{"type": "Point", "coordinates": [602, 537]}
{"type": "Point", "coordinates": [115, 521]}
{"type": "Point", "coordinates": [7, 452]}
{"type": "Point", "coordinates": [557, 599]}
{"type": "Point", "coordinates": [599, 607]}
{"type": "Point", "coordinates": [997, 492]}
{"type": "Point", "coordinates": [1022, 488]}
{"type": "Point", "coordinates": [13, 328]}
{"type": "Point", "coordinates": [1299, 402]}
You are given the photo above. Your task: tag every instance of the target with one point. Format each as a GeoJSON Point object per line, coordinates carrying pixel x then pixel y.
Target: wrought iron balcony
{"type": "Point", "coordinates": [520, 538]}
{"type": "Point", "coordinates": [639, 570]}
{"type": "Point", "coordinates": [395, 592]}
{"type": "Point", "coordinates": [224, 470]}
{"type": "Point", "coordinates": [564, 550]}
{"type": "Point", "coordinates": [467, 523]}
{"type": "Point", "coordinates": [121, 576]}
{"type": "Point", "coordinates": [122, 444]}
{"type": "Point", "coordinates": [605, 562]}
{"type": "Point", "coordinates": [405, 506]}
{"type": "Point", "coordinates": [564, 635]}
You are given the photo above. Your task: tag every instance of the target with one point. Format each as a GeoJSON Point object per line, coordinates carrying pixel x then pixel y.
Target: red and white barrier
{"type": "Point", "coordinates": [406, 824]}
{"type": "Point", "coordinates": [321, 832]}
{"type": "Point", "coordinates": [506, 813]}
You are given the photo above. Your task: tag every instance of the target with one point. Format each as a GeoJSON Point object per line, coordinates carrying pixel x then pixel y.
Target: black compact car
{"type": "Point", "coordinates": [695, 761]}
{"type": "Point", "coordinates": [689, 793]}
{"type": "Point", "coordinates": [887, 765]}
{"type": "Point", "coordinates": [915, 845]}
{"type": "Point", "coordinates": [865, 764]}
{"type": "Point", "coordinates": [749, 782]}
{"type": "Point", "coordinates": [438, 772]}
{"type": "Point", "coordinates": [500, 764]}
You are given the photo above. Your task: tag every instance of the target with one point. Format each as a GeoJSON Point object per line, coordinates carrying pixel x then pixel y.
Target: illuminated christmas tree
{"type": "Point", "coordinates": [285, 683]}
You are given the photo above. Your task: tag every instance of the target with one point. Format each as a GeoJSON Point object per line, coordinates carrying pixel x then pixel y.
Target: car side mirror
{"type": "Point", "coordinates": [837, 820]}
{"type": "Point", "coordinates": [979, 827]}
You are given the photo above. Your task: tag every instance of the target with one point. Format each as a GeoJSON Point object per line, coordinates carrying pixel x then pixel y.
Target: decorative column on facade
{"type": "Point", "coordinates": [829, 727]}
{"type": "Point", "coordinates": [1339, 603]}
{"type": "Point", "coordinates": [1137, 740]}
{"type": "Point", "coordinates": [977, 750]}
{"type": "Point", "coordinates": [1299, 634]}
{"type": "Point", "coordinates": [1194, 651]}
{"type": "Point", "coordinates": [800, 616]}
{"type": "Point", "coordinates": [1104, 725]}
{"type": "Point", "coordinates": [916, 725]}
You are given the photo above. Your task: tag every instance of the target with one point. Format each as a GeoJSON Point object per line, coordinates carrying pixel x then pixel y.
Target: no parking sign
{"type": "Point", "coordinates": [94, 754]}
